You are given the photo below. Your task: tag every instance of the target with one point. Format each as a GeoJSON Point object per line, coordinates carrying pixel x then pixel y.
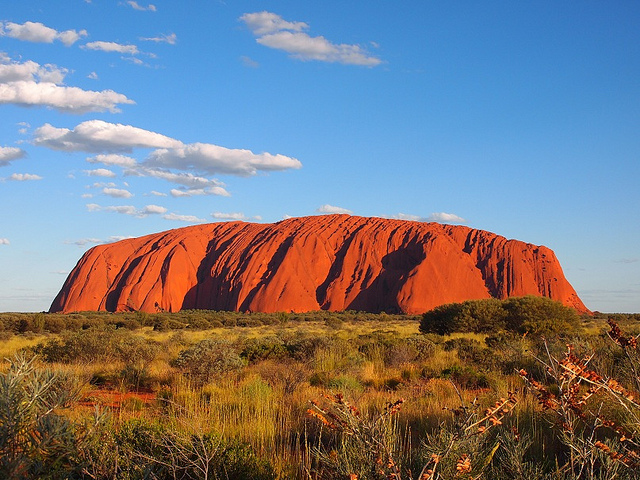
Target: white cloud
{"type": "Point", "coordinates": [4, 241]}
{"type": "Point", "coordinates": [183, 218]}
{"type": "Point", "coordinates": [86, 195]}
{"type": "Point", "coordinates": [39, 33]}
{"type": "Point", "coordinates": [97, 241]}
{"type": "Point", "coordinates": [169, 155]}
{"type": "Point", "coordinates": [411, 218]}
{"type": "Point", "coordinates": [102, 185]}
{"type": "Point", "coordinates": [170, 38]}
{"type": "Point", "coordinates": [93, 76]}
{"type": "Point", "coordinates": [154, 210]}
{"type": "Point", "coordinates": [262, 23]}
{"type": "Point", "coordinates": [214, 159]}
{"type": "Point", "coordinates": [24, 127]}
{"type": "Point", "coordinates": [434, 217]}
{"type": "Point", "coordinates": [275, 32]}
{"type": "Point", "coordinates": [100, 136]}
{"type": "Point", "coordinates": [24, 177]}
{"type": "Point", "coordinates": [100, 172]}
{"type": "Point", "coordinates": [236, 216]}
{"type": "Point", "coordinates": [30, 84]}
{"type": "Point", "coordinates": [112, 47]}
{"type": "Point", "coordinates": [157, 194]}
{"type": "Point", "coordinates": [128, 209]}
{"type": "Point", "coordinates": [117, 192]}
{"type": "Point", "coordinates": [186, 179]}
{"type": "Point", "coordinates": [442, 217]}
{"type": "Point", "coordinates": [331, 209]}
{"type": "Point", "coordinates": [8, 154]}
{"type": "Point", "coordinates": [113, 159]}
{"type": "Point", "coordinates": [194, 192]}
{"type": "Point", "coordinates": [141, 8]}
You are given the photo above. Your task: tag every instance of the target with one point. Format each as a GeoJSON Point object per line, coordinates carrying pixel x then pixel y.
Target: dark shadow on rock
{"type": "Point", "coordinates": [381, 294]}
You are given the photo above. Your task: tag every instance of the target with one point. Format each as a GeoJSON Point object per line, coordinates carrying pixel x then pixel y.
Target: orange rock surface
{"type": "Point", "coordinates": [329, 262]}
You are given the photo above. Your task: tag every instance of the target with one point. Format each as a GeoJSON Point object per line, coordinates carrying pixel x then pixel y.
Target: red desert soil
{"type": "Point", "coordinates": [329, 262]}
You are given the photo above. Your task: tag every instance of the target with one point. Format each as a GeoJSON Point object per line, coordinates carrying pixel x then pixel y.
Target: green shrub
{"type": "Point", "coordinates": [208, 359]}
{"type": "Point", "coordinates": [255, 349]}
{"type": "Point", "coordinates": [103, 344]}
{"type": "Point", "coordinates": [539, 315]}
{"type": "Point", "coordinates": [529, 314]}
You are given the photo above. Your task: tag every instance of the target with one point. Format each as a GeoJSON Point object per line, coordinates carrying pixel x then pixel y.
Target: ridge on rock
{"type": "Point", "coordinates": [328, 262]}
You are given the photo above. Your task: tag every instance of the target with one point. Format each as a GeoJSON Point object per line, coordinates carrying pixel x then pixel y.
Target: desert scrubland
{"type": "Point", "coordinates": [540, 393]}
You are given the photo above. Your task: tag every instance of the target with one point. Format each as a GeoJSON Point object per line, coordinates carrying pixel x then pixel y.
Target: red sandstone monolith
{"type": "Point", "coordinates": [329, 262]}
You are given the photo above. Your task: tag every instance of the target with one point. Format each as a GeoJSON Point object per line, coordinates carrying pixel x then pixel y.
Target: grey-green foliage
{"type": "Point", "coordinates": [529, 314]}
{"type": "Point", "coordinates": [98, 344]}
{"type": "Point", "coordinates": [207, 359]}
{"type": "Point", "coordinates": [36, 440]}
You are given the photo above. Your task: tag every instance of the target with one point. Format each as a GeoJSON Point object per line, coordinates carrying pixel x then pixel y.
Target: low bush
{"type": "Point", "coordinates": [207, 359]}
{"type": "Point", "coordinates": [529, 314]}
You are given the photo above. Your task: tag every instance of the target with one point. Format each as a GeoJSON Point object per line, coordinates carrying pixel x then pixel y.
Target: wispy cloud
{"type": "Point", "coordinates": [628, 260]}
{"type": "Point", "coordinates": [183, 218]}
{"type": "Point", "coordinates": [39, 33]}
{"type": "Point", "coordinates": [332, 209]}
{"type": "Point", "coordinates": [117, 192]}
{"type": "Point", "coordinates": [112, 47]}
{"type": "Point", "coordinates": [141, 8]}
{"type": "Point", "coordinates": [31, 84]}
{"type": "Point", "coordinates": [170, 38]}
{"type": "Point", "coordinates": [214, 159]}
{"type": "Point", "coordinates": [100, 172]}
{"type": "Point", "coordinates": [8, 154]}
{"type": "Point", "coordinates": [24, 177]}
{"type": "Point", "coordinates": [440, 217]}
{"type": "Point", "coordinates": [128, 209]}
{"type": "Point", "coordinates": [233, 216]}
{"type": "Point", "coordinates": [113, 159]}
{"type": "Point", "coordinates": [95, 241]}
{"type": "Point", "coordinates": [4, 241]}
{"type": "Point", "coordinates": [196, 192]}
{"type": "Point", "coordinates": [249, 62]}
{"type": "Point", "coordinates": [273, 31]}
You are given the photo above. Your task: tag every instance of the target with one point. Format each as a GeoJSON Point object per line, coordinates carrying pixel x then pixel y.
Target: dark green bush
{"type": "Point", "coordinates": [530, 314]}
{"type": "Point", "coordinates": [256, 349]}
{"type": "Point", "coordinates": [539, 315]}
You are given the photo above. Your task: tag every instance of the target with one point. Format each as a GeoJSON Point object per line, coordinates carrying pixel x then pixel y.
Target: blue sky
{"type": "Point", "coordinates": [123, 118]}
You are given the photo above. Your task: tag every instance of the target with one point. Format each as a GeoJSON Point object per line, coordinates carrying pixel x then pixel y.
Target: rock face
{"type": "Point", "coordinates": [332, 262]}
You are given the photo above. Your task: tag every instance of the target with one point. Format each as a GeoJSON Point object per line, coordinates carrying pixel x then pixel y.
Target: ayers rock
{"type": "Point", "coordinates": [329, 262]}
